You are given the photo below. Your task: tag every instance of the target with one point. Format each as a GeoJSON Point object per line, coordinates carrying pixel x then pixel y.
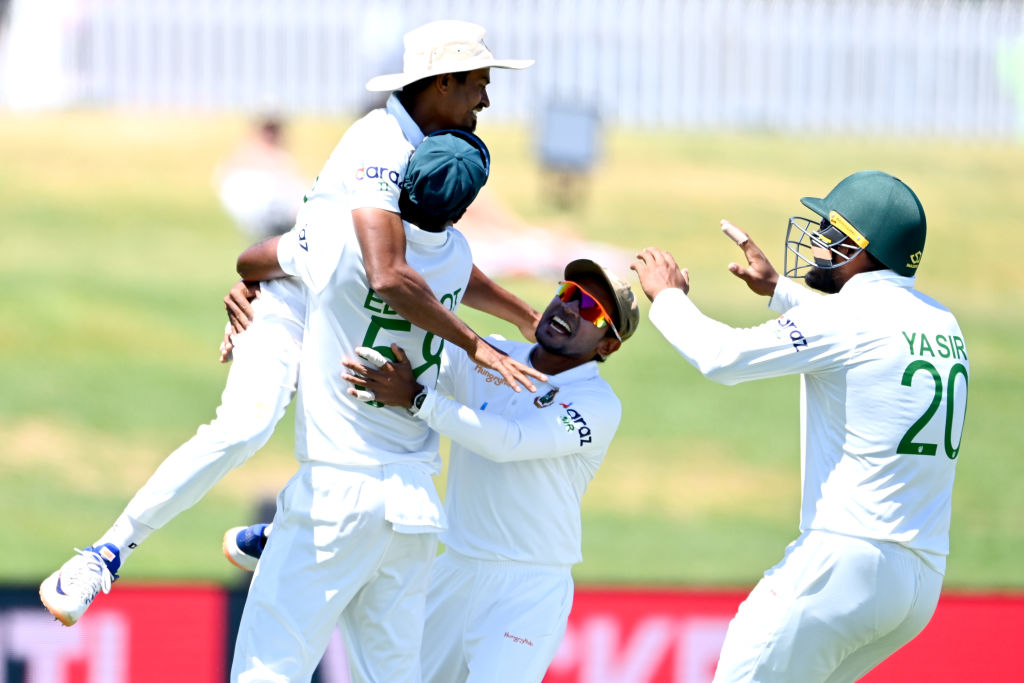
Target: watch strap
{"type": "Point", "coordinates": [417, 401]}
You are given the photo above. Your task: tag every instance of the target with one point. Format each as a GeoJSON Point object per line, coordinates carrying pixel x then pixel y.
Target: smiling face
{"type": "Point", "coordinates": [463, 100]}
{"type": "Point", "coordinates": [561, 330]}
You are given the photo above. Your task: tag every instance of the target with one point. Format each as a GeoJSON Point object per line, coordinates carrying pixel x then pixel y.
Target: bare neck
{"type": "Point", "coordinates": [552, 363]}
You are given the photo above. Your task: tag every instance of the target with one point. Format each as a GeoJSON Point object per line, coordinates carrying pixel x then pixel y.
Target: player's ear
{"type": "Point", "coordinates": [442, 82]}
{"type": "Point", "coordinates": [607, 346]}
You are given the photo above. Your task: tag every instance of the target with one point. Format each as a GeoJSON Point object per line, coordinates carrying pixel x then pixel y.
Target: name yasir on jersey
{"type": "Point", "coordinates": [573, 421]}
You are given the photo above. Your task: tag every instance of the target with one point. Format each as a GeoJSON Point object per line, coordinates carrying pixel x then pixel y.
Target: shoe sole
{"type": "Point", "coordinates": [234, 554]}
{"type": "Point", "coordinates": [50, 585]}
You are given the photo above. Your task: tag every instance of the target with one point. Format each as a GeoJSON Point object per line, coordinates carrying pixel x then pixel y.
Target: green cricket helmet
{"type": "Point", "coordinates": [874, 211]}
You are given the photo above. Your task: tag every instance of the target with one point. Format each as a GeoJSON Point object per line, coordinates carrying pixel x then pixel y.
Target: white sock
{"type": "Point", "coordinates": [126, 535]}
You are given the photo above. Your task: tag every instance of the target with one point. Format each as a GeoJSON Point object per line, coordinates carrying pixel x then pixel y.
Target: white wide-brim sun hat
{"type": "Point", "coordinates": [442, 47]}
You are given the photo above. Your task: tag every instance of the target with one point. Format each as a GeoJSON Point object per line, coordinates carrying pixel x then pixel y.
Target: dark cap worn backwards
{"type": "Point", "coordinates": [446, 172]}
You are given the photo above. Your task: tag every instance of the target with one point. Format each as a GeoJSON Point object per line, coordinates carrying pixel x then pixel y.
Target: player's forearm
{"type": "Point", "coordinates": [259, 262]}
{"type": "Point", "coordinates": [729, 355]}
{"type": "Point", "coordinates": [484, 294]}
{"type": "Point", "coordinates": [382, 243]}
{"type": "Point", "coordinates": [703, 342]}
{"type": "Point", "coordinates": [405, 290]}
{"type": "Point", "coordinates": [493, 436]}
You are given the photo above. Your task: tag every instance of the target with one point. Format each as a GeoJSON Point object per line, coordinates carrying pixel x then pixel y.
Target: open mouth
{"type": "Point", "coordinates": [561, 325]}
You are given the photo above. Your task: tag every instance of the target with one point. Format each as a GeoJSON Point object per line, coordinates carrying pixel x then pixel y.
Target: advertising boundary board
{"type": "Point", "coordinates": [151, 633]}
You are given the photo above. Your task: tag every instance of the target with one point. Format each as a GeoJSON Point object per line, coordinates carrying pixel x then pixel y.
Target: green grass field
{"type": "Point", "coordinates": [117, 256]}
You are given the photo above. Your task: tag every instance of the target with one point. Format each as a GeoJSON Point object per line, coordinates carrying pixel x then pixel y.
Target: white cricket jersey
{"type": "Point", "coordinates": [343, 313]}
{"type": "Point", "coordinates": [883, 397]}
{"type": "Point", "coordinates": [520, 462]}
{"type": "Point", "coordinates": [365, 170]}
{"type": "Point", "coordinates": [367, 167]}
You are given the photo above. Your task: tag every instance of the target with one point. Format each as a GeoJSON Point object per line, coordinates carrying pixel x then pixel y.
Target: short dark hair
{"type": "Point", "coordinates": [411, 91]}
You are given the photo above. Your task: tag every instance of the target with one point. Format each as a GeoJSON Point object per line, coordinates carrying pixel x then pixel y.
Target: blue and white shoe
{"type": "Point", "coordinates": [243, 545]}
{"type": "Point", "coordinates": [69, 591]}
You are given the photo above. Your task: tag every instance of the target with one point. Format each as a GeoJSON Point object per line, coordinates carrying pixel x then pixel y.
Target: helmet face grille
{"type": "Point", "coordinates": [811, 243]}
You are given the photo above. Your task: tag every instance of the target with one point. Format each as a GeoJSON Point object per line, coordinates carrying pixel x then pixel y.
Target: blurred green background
{"type": "Point", "coordinates": [116, 256]}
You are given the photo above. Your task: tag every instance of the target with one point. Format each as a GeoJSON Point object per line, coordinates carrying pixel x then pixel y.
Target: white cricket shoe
{"type": "Point", "coordinates": [69, 591]}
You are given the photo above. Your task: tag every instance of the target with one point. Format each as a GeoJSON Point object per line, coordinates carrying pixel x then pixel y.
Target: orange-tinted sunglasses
{"type": "Point", "coordinates": [591, 309]}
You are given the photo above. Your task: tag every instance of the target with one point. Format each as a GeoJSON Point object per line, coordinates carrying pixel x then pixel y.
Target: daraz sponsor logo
{"type": "Point", "coordinates": [378, 173]}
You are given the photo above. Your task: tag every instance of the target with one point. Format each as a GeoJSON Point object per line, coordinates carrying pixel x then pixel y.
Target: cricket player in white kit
{"type": "Point", "coordinates": [884, 374]}
{"type": "Point", "coordinates": [362, 177]}
{"type": "Point", "coordinates": [501, 592]}
{"type": "Point", "coordinates": [355, 529]}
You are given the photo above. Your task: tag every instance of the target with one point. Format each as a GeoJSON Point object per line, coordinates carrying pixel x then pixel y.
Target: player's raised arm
{"type": "Point", "coordinates": [657, 271]}
{"type": "Point", "coordinates": [484, 294]}
{"type": "Point", "coordinates": [382, 241]}
{"type": "Point", "coordinates": [759, 274]}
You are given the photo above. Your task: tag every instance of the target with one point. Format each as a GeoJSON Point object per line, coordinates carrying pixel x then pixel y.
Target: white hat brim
{"type": "Point", "coordinates": [391, 82]}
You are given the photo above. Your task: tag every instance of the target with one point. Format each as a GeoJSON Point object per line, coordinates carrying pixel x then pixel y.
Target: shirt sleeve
{"type": "Point", "coordinates": [371, 163]}
{"type": "Point", "coordinates": [451, 375]}
{"type": "Point", "coordinates": [311, 252]}
{"type": "Point", "coordinates": [807, 339]}
{"type": "Point", "coordinates": [583, 424]}
{"type": "Point", "coordinates": [789, 294]}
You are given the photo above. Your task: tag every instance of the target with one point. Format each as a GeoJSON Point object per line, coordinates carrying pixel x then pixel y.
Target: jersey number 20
{"type": "Point", "coordinates": [907, 444]}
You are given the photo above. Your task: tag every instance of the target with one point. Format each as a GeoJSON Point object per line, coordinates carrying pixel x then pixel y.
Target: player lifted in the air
{"type": "Point", "coordinates": [443, 86]}
{"type": "Point", "coordinates": [501, 593]}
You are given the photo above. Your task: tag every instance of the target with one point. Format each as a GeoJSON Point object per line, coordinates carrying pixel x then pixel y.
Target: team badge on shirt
{"type": "Point", "coordinates": [546, 400]}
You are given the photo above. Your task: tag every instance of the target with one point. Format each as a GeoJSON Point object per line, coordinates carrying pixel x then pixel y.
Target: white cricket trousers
{"type": "Point", "coordinates": [259, 387]}
{"type": "Point", "coordinates": [493, 621]}
{"type": "Point", "coordinates": [832, 610]}
{"type": "Point", "coordinates": [333, 559]}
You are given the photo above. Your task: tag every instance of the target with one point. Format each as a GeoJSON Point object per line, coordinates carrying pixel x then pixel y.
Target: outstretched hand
{"type": "Point", "coordinates": [374, 378]}
{"type": "Point", "coordinates": [658, 271]}
{"type": "Point", "coordinates": [514, 372]}
{"type": "Point", "coordinates": [759, 274]}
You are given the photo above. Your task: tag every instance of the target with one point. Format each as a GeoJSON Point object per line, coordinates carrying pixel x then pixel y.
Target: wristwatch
{"type": "Point", "coordinates": [417, 401]}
